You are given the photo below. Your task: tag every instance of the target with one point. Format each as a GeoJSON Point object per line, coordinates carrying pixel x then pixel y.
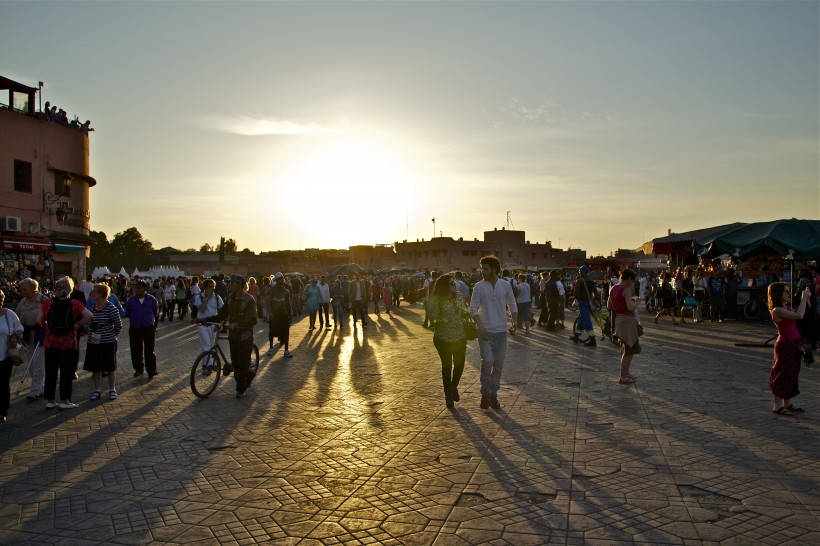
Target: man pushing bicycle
{"type": "Point", "coordinates": [241, 318]}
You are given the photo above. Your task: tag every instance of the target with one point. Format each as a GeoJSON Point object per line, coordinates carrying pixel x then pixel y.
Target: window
{"type": "Point", "coordinates": [61, 186]}
{"type": "Point", "coordinates": [22, 176]}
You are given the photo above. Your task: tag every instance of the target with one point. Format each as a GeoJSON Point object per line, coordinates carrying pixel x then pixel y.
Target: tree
{"type": "Point", "coordinates": [206, 248]}
{"type": "Point", "coordinates": [129, 249]}
{"type": "Point", "coordinates": [100, 250]}
{"type": "Point", "coordinates": [229, 246]}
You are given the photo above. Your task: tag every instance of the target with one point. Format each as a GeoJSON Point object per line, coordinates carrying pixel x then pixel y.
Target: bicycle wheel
{"type": "Point", "coordinates": [580, 335]}
{"type": "Point", "coordinates": [254, 365]}
{"type": "Point", "coordinates": [203, 381]}
{"type": "Point", "coordinates": [752, 309]}
{"type": "Point", "coordinates": [572, 303]}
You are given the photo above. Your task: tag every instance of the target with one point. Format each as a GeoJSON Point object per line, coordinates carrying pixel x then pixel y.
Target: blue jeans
{"type": "Point", "coordinates": [493, 351]}
{"type": "Point", "coordinates": [584, 315]}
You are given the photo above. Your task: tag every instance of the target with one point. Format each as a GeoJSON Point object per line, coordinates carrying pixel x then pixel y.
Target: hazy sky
{"type": "Point", "coordinates": [290, 125]}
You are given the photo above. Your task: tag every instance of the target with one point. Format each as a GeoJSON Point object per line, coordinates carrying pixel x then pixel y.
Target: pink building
{"type": "Point", "coordinates": [44, 190]}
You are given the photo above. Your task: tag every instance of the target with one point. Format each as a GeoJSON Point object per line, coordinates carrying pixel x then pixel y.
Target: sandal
{"type": "Point", "coordinates": [626, 380]}
{"type": "Point", "coordinates": [112, 395]}
{"type": "Point", "coordinates": [95, 396]}
{"type": "Point", "coordinates": [793, 409]}
{"type": "Point", "coordinates": [783, 411]}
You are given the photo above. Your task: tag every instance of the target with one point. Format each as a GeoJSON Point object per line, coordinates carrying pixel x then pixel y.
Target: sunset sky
{"type": "Point", "coordinates": [598, 125]}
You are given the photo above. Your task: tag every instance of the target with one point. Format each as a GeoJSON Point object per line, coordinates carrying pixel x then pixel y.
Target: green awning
{"type": "Point", "coordinates": [68, 248]}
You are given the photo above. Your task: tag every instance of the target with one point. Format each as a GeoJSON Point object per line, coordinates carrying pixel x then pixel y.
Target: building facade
{"type": "Point", "coordinates": [44, 190]}
{"type": "Point", "coordinates": [448, 254]}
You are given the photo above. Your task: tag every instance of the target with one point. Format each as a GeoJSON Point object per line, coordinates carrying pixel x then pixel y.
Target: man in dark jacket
{"type": "Point", "coordinates": [241, 309]}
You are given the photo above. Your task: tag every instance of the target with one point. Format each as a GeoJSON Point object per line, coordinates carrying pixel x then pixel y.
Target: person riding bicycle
{"type": "Point", "coordinates": [584, 292]}
{"type": "Point", "coordinates": [241, 318]}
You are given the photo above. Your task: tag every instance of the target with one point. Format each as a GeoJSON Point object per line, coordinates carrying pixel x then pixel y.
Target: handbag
{"type": "Point", "coordinates": [470, 329]}
{"type": "Point", "coordinates": [18, 354]}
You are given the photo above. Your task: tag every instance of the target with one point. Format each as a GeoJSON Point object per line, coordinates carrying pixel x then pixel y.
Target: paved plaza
{"type": "Point", "coordinates": [350, 442]}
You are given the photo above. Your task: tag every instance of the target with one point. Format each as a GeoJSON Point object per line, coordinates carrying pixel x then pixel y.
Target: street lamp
{"type": "Point", "coordinates": [52, 198]}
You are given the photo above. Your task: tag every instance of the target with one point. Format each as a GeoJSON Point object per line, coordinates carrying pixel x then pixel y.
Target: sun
{"type": "Point", "coordinates": [350, 191]}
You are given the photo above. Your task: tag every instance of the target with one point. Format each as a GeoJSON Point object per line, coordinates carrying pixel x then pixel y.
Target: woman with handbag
{"type": "Point", "coordinates": [447, 318]}
{"type": "Point", "coordinates": [27, 309]}
{"type": "Point", "coordinates": [101, 350]}
{"type": "Point", "coordinates": [11, 335]}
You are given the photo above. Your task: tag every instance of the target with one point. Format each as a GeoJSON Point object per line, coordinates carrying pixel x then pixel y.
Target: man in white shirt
{"type": "Point", "coordinates": [324, 300]}
{"type": "Point", "coordinates": [86, 286]}
{"type": "Point", "coordinates": [488, 306]}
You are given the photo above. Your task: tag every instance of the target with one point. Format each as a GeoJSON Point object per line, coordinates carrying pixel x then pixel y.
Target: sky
{"type": "Point", "coordinates": [291, 125]}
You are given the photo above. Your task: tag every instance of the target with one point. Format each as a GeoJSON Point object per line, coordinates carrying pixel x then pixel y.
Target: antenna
{"type": "Point", "coordinates": [509, 221]}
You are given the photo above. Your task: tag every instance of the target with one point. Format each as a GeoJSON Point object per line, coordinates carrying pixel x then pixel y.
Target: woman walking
{"type": "Point", "coordinates": [62, 318]}
{"type": "Point", "coordinates": [667, 298]}
{"type": "Point", "coordinates": [447, 317]}
{"type": "Point", "coordinates": [313, 301]}
{"type": "Point", "coordinates": [27, 309]}
{"type": "Point", "coordinates": [623, 302]}
{"type": "Point", "coordinates": [787, 348]}
{"type": "Point", "coordinates": [101, 350]}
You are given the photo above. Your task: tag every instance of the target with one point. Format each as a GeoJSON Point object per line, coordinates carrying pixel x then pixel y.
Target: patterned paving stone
{"type": "Point", "coordinates": [350, 443]}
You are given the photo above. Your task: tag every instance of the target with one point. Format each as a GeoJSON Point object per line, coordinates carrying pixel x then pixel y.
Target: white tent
{"type": "Point", "coordinates": [123, 272]}
{"type": "Point", "coordinates": [100, 272]}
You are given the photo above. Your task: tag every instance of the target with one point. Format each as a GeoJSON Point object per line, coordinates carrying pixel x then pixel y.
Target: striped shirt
{"type": "Point", "coordinates": [106, 322]}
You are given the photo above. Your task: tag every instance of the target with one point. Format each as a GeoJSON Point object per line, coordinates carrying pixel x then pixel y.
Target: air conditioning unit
{"type": "Point", "coordinates": [11, 223]}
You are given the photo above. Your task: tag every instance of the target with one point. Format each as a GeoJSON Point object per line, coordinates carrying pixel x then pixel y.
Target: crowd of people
{"type": "Point", "coordinates": [490, 306]}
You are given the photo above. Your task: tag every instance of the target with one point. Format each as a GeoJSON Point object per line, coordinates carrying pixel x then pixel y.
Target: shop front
{"type": "Point", "coordinates": [21, 259]}
{"type": "Point", "coordinates": [41, 260]}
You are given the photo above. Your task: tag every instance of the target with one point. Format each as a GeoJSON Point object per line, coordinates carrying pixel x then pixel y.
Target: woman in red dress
{"type": "Point", "coordinates": [786, 368]}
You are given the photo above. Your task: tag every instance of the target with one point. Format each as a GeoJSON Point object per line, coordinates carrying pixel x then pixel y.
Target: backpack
{"type": "Point", "coordinates": [60, 317]}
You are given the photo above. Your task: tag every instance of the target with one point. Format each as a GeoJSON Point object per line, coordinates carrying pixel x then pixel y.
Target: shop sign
{"type": "Point", "coordinates": [25, 246]}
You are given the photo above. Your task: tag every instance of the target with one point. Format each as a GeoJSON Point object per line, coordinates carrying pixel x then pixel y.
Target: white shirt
{"type": "Point", "coordinates": [524, 293]}
{"type": "Point", "coordinates": [85, 287]}
{"type": "Point", "coordinates": [561, 290]}
{"type": "Point", "coordinates": [9, 320]}
{"type": "Point", "coordinates": [212, 305]}
{"type": "Point", "coordinates": [490, 304]}
{"type": "Point", "coordinates": [324, 292]}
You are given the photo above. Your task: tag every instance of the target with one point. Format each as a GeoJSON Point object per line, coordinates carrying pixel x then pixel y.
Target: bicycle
{"type": "Point", "coordinates": [603, 319]}
{"type": "Point", "coordinates": [755, 307]}
{"type": "Point", "coordinates": [204, 379]}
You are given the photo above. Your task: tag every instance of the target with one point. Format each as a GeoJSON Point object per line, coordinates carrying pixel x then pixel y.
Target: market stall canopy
{"type": "Point", "coordinates": [348, 269]}
{"type": "Point", "coordinates": [667, 245]}
{"type": "Point", "coordinates": [797, 239]}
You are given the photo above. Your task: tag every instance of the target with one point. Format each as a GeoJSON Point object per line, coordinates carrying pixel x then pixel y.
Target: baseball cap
{"type": "Point", "coordinates": [278, 275]}
{"type": "Point", "coordinates": [584, 269]}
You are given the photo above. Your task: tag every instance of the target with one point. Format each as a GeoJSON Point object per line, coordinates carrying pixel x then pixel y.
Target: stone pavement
{"type": "Point", "coordinates": [350, 442]}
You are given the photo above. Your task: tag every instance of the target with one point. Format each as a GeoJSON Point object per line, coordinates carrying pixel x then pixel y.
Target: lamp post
{"type": "Point", "coordinates": [52, 198]}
